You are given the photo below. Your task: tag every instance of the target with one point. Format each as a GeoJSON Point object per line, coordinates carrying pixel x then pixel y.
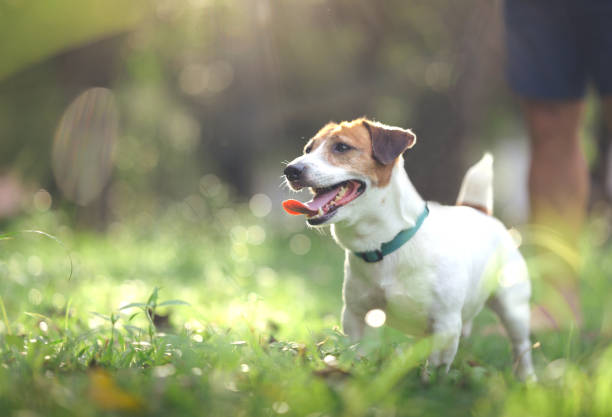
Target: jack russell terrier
{"type": "Point", "coordinates": [430, 268]}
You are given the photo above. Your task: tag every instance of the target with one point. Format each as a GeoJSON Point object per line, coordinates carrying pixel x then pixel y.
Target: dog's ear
{"type": "Point", "coordinates": [388, 142]}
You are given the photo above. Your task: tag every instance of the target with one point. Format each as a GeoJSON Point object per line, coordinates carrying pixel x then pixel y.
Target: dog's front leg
{"type": "Point", "coordinates": [353, 325]}
{"type": "Point", "coordinates": [446, 331]}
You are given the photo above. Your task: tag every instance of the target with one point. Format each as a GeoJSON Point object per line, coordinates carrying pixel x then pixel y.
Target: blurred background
{"type": "Point", "coordinates": [110, 111]}
{"type": "Point", "coordinates": [149, 137]}
{"type": "Point", "coordinates": [142, 146]}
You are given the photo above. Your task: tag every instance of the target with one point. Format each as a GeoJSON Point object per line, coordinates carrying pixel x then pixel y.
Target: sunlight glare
{"type": "Point", "coordinates": [375, 318]}
{"type": "Point", "coordinates": [511, 274]}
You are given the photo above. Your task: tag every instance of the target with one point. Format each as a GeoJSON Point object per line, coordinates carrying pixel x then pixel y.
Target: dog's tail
{"type": "Point", "coordinates": [477, 186]}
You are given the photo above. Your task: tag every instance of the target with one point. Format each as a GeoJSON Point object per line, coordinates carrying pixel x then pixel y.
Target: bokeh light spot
{"type": "Point", "coordinates": [239, 234]}
{"type": "Point", "coordinates": [58, 300]}
{"type": "Point", "coordinates": [257, 235]}
{"type": "Point", "coordinates": [210, 185]}
{"type": "Point", "coordinates": [42, 200]}
{"type": "Point", "coordinates": [330, 360]}
{"type": "Point", "coordinates": [198, 79]}
{"type": "Point", "coordinates": [300, 244]}
{"type": "Point", "coordinates": [280, 407]}
{"type": "Point", "coordinates": [95, 322]}
{"type": "Point", "coordinates": [164, 371]}
{"type": "Point", "coordinates": [34, 265]}
{"type": "Point", "coordinates": [244, 269]}
{"type": "Point", "coordinates": [240, 252]}
{"type": "Point", "coordinates": [183, 131]}
{"type": "Point", "coordinates": [220, 75]}
{"type": "Point", "coordinates": [192, 79]}
{"type": "Point", "coordinates": [193, 325]}
{"type": "Point", "coordinates": [375, 317]}
{"type": "Point", "coordinates": [83, 149]}
{"type": "Point", "coordinates": [260, 205]}
{"type": "Point", "coordinates": [35, 296]}
{"type": "Point", "coordinates": [266, 277]}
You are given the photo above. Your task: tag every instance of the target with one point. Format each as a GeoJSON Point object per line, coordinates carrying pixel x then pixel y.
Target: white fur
{"type": "Point", "coordinates": [477, 185]}
{"type": "Point", "coordinates": [436, 283]}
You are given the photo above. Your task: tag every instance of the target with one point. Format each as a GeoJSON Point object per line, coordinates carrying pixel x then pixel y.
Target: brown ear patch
{"type": "Point", "coordinates": [388, 142]}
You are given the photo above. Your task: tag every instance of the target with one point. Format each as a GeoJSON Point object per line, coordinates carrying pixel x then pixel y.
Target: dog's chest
{"type": "Point", "coordinates": [403, 291]}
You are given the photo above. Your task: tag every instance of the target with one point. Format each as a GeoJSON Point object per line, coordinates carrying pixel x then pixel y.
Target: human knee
{"type": "Point", "coordinates": [553, 124]}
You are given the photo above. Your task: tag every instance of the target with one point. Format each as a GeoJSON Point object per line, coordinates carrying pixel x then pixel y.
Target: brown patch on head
{"type": "Point", "coordinates": [320, 137]}
{"type": "Point", "coordinates": [363, 146]}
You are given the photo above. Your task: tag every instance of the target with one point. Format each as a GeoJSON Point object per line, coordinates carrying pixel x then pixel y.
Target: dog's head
{"type": "Point", "coordinates": [342, 164]}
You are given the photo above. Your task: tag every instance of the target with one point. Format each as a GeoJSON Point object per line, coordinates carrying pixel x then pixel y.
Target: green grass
{"type": "Point", "coordinates": [221, 323]}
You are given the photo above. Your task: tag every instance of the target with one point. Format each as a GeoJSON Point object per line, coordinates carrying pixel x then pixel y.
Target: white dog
{"type": "Point", "coordinates": [429, 267]}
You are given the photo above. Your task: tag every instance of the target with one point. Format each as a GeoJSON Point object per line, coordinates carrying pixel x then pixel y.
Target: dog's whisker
{"type": "Point", "coordinates": [284, 183]}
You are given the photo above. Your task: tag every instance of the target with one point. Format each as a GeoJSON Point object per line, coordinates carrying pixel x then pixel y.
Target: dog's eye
{"type": "Point", "coordinates": [342, 147]}
{"type": "Point", "coordinates": [308, 149]}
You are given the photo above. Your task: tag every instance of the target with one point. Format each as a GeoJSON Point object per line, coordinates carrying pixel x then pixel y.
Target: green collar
{"type": "Point", "coordinates": [396, 243]}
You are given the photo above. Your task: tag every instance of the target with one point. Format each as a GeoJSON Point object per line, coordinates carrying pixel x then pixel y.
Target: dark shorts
{"type": "Point", "coordinates": [557, 47]}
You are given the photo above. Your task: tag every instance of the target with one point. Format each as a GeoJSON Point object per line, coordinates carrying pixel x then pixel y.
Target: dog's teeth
{"type": "Point", "coordinates": [340, 194]}
{"type": "Point", "coordinates": [321, 211]}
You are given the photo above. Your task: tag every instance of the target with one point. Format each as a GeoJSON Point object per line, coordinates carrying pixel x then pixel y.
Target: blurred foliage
{"type": "Point", "coordinates": [259, 335]}
{"type": "Point", "coordinates": [32, 31]}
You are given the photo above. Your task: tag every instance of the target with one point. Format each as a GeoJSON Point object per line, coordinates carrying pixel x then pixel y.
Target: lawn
{"type": "Point", "coordinates": [207, 310]}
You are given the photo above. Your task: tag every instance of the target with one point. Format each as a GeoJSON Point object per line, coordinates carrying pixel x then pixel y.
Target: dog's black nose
{"type": "Point", "coordinates": [294, 172]}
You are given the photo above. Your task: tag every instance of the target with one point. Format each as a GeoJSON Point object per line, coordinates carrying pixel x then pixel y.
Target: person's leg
{"type": "Point", "coordinates": [546, 69]}
{"type": "Point", "coordinates": [558, 176]}
{"type": "Point", "coordinates": [607, 112]}
{"type": "Point", "coordinates": [558, 190]}
{"type": "Point", "coordinates": [594, 19]}
{"type": "Point", "coordinates": [601, 179]}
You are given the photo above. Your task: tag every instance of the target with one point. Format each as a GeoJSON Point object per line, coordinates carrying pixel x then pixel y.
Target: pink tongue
{"type": "Point", "coordinates": [312, 207]}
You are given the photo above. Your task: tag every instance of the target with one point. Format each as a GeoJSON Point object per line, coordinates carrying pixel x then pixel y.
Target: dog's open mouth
{"type": "Point", "coordinates": [325, 201]}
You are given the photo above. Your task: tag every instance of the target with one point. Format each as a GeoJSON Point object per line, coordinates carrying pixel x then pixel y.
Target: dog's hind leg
{"type": "Point", "coordinates": [466, 329]}
{"type": "Point", "coordinates": [512, 307]}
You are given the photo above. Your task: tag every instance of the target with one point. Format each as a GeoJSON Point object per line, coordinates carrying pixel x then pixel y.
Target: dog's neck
{"type": "Point", "coordinates": [384, 212]}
